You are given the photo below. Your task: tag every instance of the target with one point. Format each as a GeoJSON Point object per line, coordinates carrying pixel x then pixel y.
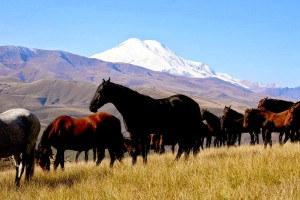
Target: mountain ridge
{"type": "Point", "coordinates": [30, 65]}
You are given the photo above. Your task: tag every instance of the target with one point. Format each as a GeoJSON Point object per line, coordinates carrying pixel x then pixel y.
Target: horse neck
{"type": "Point", "coordinates": [44, 143]}
{"type": "Point", "coordinates": [235, 114]}
{"type": "Point", "coordinates": [127, 100]}
{"type": "Point", "coordinates": [211, 118]}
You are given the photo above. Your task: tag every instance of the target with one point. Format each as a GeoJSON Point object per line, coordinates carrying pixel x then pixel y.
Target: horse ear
{"type": "Point", "coordinates": [103, 81]}
{"type": "Point", "coordinates": [108, 79]}
{"type": "Point", "coordinates": [229, 106]}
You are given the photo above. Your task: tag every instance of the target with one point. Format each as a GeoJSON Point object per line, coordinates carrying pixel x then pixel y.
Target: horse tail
{"type": "Point", "coordinates": [32, 135]}
{"type": "Point", "coordinates": [119, 140]}
{"type": "Point", "coordinates": [30, 158]}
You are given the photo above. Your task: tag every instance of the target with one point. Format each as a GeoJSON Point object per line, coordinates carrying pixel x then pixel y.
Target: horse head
{"type": "Point", "coordinates": [247, 117]}
{"type": "Point", "coordinates": [262, 102]}
{"type": "Point", "coordinates": [43, 156]}
{"type": "Point", "coordinates": [223, 121]}
{"type": "Point", "coordinates": [101, 96]}
{"type": "Point", "coordinates": [292, 115]}
{"type": "Point", "coordinates": [226, 111]}
{"type": "Point", "coordinates": [203, 112]}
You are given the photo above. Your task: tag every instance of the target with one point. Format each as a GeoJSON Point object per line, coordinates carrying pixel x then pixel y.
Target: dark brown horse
{"type": "Point", "coordinates": [214, 126]}
{"type": "Point", "coordinates": [276, 106]}
{"type": "Point", "coordinates": [232, 124]}
{"type": "Point", "coordinates": [176, 116]}
{"type": "Point", "coordinates": [100, 130]}
{"type": "Point", "coordinates": [267, 120]}
{"type": "Point", "coordinates": [293, 122]}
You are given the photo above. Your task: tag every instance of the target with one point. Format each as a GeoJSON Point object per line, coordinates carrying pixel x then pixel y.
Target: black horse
{"type": "Point", "coordinates": [214, 126]}
{"type": "Point", "coordinates": [175, 117]}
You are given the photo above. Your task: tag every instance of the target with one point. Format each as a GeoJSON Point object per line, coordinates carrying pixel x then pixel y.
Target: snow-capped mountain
{"type": "Point", "coordinates": [155, 56]}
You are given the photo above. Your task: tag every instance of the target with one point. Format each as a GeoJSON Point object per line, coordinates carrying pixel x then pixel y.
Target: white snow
{"type": "Point", "coordinates": [155, 56]}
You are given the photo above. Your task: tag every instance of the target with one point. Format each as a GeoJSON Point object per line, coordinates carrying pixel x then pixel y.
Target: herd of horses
{"type": "Point", "coordinates": [152, 124]}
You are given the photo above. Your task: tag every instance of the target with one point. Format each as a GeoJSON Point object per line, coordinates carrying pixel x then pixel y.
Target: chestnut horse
{"type": "Point", "coordinates": [267, 120]}
{"type": "Point", "coordinates": [100, 130]}
{"type": "Point", "coordinates": [19, 129]}
{"type": "Point", "coordinates": [276, 106]}
{"type": "Point", "coordinates": [176, 116]}
{"type": "Point", "coordinates": [293, 121]}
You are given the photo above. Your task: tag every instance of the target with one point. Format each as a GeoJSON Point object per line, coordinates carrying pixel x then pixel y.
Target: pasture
{"type": "Point", "coordinates": [246, 172]}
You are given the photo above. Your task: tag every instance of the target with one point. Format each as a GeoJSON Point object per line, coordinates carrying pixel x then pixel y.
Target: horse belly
{"type": "Point", "coordinates": [10, 143]}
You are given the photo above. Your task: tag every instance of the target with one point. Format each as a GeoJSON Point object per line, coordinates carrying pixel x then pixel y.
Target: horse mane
{"type": "Point", "coordinates": [270, 104]}
{"type": "Point", "coordinates": [234, 112]}
{"type": "Point", "coordinates": [129, 91]}
{"type": "Point", "coordinates": [211, 114]}
{"type": "Point", "coordinates": [45, 135]}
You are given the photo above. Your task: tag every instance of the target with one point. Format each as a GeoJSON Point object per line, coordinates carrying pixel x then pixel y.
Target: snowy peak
{"type": "Point", "coordinates": [155, 56]}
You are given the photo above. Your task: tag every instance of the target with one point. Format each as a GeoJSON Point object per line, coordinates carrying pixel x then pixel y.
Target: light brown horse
{"type": "Point", "coordinates": [276, 106]}
{"type": "Point", "coordinates": [292, 121]}
{"type": "Point", "coordinates": [267, 120]}
{"type": "Point", "coordinates": [100, 130]}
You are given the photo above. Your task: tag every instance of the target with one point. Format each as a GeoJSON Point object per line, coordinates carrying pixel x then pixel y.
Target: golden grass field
{"type": "Point", "coordinates": [247, 172]}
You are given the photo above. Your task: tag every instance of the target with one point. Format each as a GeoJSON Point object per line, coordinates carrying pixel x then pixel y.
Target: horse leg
{"type": "Point", "coordinates": [288, 134]}
{"type": "Point", "coordinates": [252, 140]}
{"type": "Point", "coordinates": [77, 156]}
{"type": "Point", "coordinates": [268, 138]}
{"type": "Point", "coordinates": [19, 164]}
{"type": "Point", "coordinates": [57, 159]}
{"type": "Point", "coordinates": [179, 152]}
{"type": "Point", "coordinates": [161, 145]}
{"type": "Point", "coordinates": [201, 144]}
{"type": "Point", "coordinates": [94, 154]}
{"type": "Point", "coordinates": [208, 141]}
{"type": "Point", "coordinates": [264, 138]}
{"type": "Point", "coordinates": [280, 137]}
{"type": "Point", "coordinates": [187, 152]}
{"type": "Point", "coordinates": [144, 153]}
{"type": "Point", "coordinates": [297, 136]}
{"type": "Point", "coordinates": [263, 133]}
{"type": "Point", "coordinates": [112, 157]}
{"type": "Point", "coordinates": [101, 154]}
{"type": "Point", "coordinates": [196, 148]}
{"type": "Point", "coordinates": [257, 137]}
{"type": "Point", "coordinates": [62, 159]}
{"type": "Point", "coordinates": [30, 164]}
{"type": "Point", "coordinates": [86, 156]}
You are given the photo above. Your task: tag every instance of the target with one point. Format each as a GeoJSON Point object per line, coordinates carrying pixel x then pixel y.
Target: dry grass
{"type": "Point", "coordinates": [235, 173]}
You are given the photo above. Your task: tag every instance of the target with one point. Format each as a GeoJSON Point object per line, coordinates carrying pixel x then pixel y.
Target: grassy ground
{"type": "Point", "coordinates": [236, 173]}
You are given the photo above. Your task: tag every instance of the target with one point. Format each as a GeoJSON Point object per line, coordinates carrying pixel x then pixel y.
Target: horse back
{"type": "Point", "coordinates": [19, 129]}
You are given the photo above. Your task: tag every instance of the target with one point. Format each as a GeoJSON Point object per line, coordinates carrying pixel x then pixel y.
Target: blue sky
{"type": "Point", "coordinates": [256, 40]}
